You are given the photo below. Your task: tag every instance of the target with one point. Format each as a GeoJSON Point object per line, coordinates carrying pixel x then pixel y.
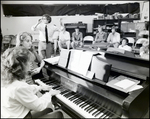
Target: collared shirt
{"type": "Point", "coordinates": [126, 47]}
{"type": "Point", "coordinates": [100, 36]}
{"type": "Point", "coordinates": [77, 37]}
{"type": "Point", "coordinates": [41, 28]}
{"type": "Point", "coordinates": [113, 38]}
{"type": "Point", "coordinates": [18, 98]}
{"type": "Point", "coordinates": [64, 36]}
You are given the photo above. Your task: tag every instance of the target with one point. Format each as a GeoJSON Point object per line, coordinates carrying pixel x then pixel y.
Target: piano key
{"type": "Point", "coordinates": [74, 106]}
{"type": "Point", "coordinates": [73, 98]}
{"type": "Point", "coordinates": [84, 102]}
{"type": "Point", "coordinates": [91, 106]}
{"type": "Point", "coordinates": [101, 114]}
{"type": "Point", "coordinates": [96, 111]}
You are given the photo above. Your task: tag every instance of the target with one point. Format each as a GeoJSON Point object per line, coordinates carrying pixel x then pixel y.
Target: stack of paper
{"type": "Point", "coordinates": [53, 60]}
{"type": "Point", "coordinates": [124, 84]}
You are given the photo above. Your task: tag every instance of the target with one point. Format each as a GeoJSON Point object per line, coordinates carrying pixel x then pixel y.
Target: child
{"type": "Point", "coordinates": [124, 45]}
{"type": "Point", "coordinates": [17, 97]}
{"type": "Point", "coordinates": [25, 39]}
{"type": "Point", "coordinates": [144, 50]}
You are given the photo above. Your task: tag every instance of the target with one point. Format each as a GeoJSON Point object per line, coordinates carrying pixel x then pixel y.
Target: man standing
{"type": "Point", "coordinates": [114, 38]}
{"type": "Point", "coordinates": [77, 38]}
{"type": "Point", "coordinates": [47, 36]}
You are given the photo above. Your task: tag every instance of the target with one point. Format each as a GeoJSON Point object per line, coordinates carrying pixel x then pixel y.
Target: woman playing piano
{"type": "Point", "coordinates": [18, 99]}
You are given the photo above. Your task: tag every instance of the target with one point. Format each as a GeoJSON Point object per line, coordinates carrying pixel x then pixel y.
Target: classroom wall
{"type": "Point", "coordinates": [13, 25]}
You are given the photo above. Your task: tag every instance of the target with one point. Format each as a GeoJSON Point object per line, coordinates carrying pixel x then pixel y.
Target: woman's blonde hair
{"type": "Point", "coordinates": [21, 37]}
{"type": "Point", "coordinates": [13, 64]}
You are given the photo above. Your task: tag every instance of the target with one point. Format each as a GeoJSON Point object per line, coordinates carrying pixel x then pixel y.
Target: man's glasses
{"type": "Point", "coordinates": [44, 19]}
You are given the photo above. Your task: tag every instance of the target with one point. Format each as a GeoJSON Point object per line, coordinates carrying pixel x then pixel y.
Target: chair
{"type": "Point", "coordinates": [88, 40]}
{"type": "Point", "coordinates": [12, 42]}
{"type": "Point", "coordinates": [35, 44]}
{"type": "Point", "coordinates": [5, 42]}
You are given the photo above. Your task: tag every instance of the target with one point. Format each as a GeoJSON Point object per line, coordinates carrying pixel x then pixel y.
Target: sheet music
{"type": "Point", "coordinates": [90, 74]}
{"type": "Point", "coordinates": [63, 60]}
{"type": "Point", "coordinates": [84, 62]}
{"type": "Point", "coordinates": [126, 83]}
{"type": "Point", "coordinates": [74, 60]}
{"type": "Point", "coordinates": [80, 61]}
{"type": "Point", "coordinates": [53, 60]}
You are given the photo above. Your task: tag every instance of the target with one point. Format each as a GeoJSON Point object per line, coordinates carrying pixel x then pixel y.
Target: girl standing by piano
{"type": "Point", "coordinates": [18, 99]}
{"type": "Point", "coordinates": [25, 39]}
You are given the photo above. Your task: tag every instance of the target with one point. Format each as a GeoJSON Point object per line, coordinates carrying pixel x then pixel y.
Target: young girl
{"type": "Point", "coordinates": [25, 39]}
{"type": "Point", "coordinates": [18, 99]}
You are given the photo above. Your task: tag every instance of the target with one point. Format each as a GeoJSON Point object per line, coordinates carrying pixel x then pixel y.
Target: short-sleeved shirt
{"type": "Point", "coordinates": [51, 29]}
{"type": "Point", "coordinates": [126, 47]}
{"type": "Point", "coordinates": [77, 37]}
{"type": "Point", "coordinates": [113, 38]}
{"type": "Point", "coordinates": [100, 36]}
{"type": "Point", "coordinates": [64, 36]}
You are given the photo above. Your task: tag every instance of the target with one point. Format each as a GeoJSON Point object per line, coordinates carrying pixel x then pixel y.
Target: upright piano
{"type": "Point", "coordinates": [84, 98]}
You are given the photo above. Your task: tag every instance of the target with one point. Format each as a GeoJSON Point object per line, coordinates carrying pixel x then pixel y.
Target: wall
{"type": "Point", "coordinates": [14, 25]}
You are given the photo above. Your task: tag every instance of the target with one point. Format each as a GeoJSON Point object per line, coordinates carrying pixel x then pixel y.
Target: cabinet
{"type": "Point", "coordinates": [107, 24]}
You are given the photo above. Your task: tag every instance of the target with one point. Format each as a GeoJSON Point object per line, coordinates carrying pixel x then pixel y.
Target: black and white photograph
{"type": "Point", "coordinates": [74, 59]}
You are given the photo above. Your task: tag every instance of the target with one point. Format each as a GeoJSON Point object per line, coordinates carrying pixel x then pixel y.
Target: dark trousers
{"type": "Point", "coordinates": [49, 49]}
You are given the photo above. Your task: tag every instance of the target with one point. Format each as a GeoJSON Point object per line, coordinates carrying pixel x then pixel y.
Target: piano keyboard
{"type": "Point", "coordinates": [84, 106]}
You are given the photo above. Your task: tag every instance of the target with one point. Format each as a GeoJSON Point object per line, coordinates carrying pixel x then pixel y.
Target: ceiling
{"type": "Point", "coordinates": [67, 2]}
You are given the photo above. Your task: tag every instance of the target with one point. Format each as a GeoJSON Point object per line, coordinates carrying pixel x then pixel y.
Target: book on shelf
{"type": "Point", "coordinates": [124, 84]}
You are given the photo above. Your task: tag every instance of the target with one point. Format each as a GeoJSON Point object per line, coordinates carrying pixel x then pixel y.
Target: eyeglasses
{"type": "Point", "coordinates": [44, 18]}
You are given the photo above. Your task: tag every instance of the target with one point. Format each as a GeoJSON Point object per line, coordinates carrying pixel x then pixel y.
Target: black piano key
{"type": "Point", "coordinates": [75, 101]}
{"type": "Point", "coordinates": [79, 100]}
{"type": "Point", "coordinates": [75, 98]}
{"type": "Point", "coordinates": [95, 112]}
{"type": "Point", "coordinates": [90, 107]}
{"type": "Point", "coordinates": [94, 108]}
{"type": "Point", "coordinates": [67, 94]}
{"type": "Point", "coordinates": [72, 98]}
{"type": "Point", "coordinates": [107, 114]}
{"type": "Point", "coordinates": [83, 103]}
{"type": "Point", "coordinates": [102, 111]}
{"type": "Point", "coordinates": [64, 92]}
{"type": "Point", "coordinates": [98, 112]}
{"type": "Point", "coordinates": [55, 87]}
{"type": "Point", "coordinates": [70, 94]}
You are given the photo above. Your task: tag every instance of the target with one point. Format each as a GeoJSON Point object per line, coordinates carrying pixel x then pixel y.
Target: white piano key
{"type": "Point", "coordinates": [74, 106]}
